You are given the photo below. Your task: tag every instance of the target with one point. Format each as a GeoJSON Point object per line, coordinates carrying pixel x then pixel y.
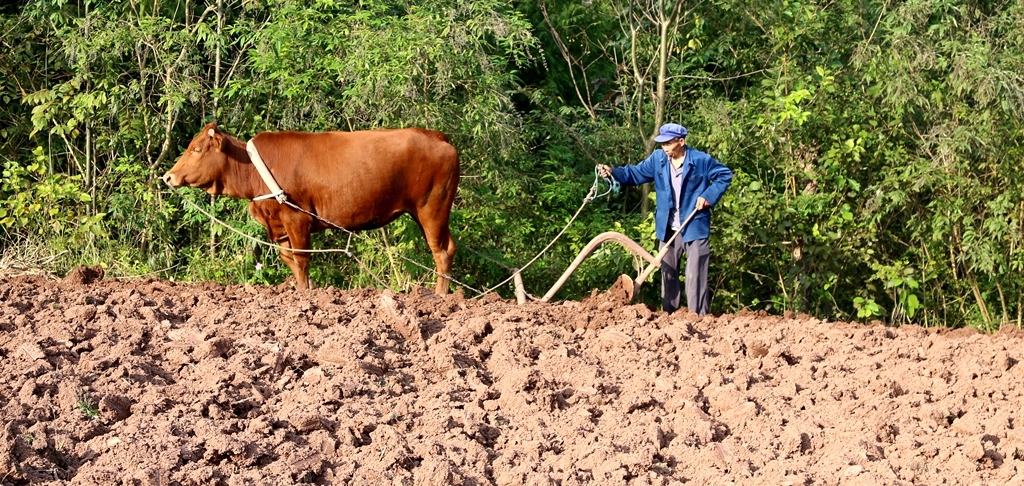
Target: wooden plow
{"type": "Point", "coordinates": [630, 284]}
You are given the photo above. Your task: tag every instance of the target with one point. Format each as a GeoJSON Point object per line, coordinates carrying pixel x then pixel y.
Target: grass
{"type": "Point", "coordinates": [85, 407]}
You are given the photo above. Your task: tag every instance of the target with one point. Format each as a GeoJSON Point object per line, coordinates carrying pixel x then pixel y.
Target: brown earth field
{"type": "Point", "coordinates": [148, 382]}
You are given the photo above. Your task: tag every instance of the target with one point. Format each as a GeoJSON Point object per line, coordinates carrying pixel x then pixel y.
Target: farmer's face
{"type": "Point", "coordinates": [672, 147]}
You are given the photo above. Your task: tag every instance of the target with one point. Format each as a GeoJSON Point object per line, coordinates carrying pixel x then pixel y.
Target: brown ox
{"type": "Point", "coordinates": [358, 180]}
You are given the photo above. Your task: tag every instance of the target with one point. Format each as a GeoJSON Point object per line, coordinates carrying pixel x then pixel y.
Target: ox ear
{"type": "Point", "coordinates": [215, 139]}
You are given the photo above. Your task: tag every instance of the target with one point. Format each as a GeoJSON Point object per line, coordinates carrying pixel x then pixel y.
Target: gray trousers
{"type": "Point", "coordinates": [697, 295]}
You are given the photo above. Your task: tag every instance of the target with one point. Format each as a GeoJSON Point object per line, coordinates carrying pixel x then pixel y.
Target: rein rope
{"type": "Point", "coordinates": [520, 271]}
{"type": "Point", "coordinates": [613, 186]}
{"type": "Point", "coordinates": [328, 250]}
{"type": "Point", "coordinates": [385, 250]}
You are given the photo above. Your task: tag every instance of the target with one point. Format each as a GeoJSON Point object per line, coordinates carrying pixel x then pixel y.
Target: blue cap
{"type": "Point", "coordinates": [670, 131]}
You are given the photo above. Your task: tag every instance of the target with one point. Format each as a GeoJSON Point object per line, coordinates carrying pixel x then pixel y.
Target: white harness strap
{"type": "Point", "coordinates": [275, 190]}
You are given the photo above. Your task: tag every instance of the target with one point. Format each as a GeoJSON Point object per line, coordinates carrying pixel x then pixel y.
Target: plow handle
{"type": "Point", "coordinates": [661, 254]}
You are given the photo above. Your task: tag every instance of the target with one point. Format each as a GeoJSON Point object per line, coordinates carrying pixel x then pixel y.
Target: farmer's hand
{"type": "Point", "coordinates": [702, 204]}
{"type": "Point", "coordinates": [604, 170]}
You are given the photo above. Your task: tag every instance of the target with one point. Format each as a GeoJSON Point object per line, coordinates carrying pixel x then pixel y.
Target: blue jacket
{"type": "Point", "coordinates": [703, 176]}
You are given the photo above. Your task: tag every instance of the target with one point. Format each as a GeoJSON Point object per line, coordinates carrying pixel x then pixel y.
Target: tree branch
{"type": "Point", "coordinates": [569, 60]}
{"type": "Point", "coordinates": [709, 78]}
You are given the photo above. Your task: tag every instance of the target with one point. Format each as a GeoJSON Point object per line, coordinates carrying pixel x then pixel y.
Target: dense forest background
{"type": "Point", "coordinates": [876, 145]}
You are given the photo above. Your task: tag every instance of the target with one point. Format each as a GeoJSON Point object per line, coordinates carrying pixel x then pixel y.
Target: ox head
{"type": "Point", "coordinates": [203, 163]}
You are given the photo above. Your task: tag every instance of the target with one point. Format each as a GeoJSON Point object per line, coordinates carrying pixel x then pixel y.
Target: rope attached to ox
{"type": "Point", "coordinates": [279, 195]}
{"type": "Point", "coordinates": [613, 186]}
{"type": "Point", "coordinates": [345, 251]}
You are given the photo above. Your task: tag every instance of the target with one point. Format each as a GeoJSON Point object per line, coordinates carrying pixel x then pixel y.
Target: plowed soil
{"type": "Point", "coordinates": [159, 383]}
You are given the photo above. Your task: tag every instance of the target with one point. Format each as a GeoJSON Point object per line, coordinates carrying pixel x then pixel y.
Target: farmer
{"type": "Point", "coordinates": [685, 179]}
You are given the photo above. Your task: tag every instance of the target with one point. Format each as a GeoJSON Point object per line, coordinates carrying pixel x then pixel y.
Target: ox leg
{"type": "Point", "coordinates": [288, 257]}
{"type": "Point", "coordinates": [298, 262]}
{"type": "Point", "coordinates": [289, 231]}
{"type": "Point", "coordinates": [442, 246]}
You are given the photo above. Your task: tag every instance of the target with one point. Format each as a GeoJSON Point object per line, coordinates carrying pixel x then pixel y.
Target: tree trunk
{"type": "Point", "coordinates": [664, 27]}
{"type": "Point", "coordinates": [216, 103]}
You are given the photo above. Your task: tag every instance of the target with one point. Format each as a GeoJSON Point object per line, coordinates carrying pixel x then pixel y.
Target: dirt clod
{"type": "Point", "coordinates": [84, 275]}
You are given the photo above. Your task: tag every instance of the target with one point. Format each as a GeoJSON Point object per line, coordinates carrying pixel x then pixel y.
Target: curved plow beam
{"type": "Point", "coordinates": [619, 238]}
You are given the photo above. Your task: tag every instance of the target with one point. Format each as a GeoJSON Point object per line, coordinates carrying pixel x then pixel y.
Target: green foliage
{"type": "Point", "coordinates": [35, 200]}
{"type": "Point", "coordinates": [84, 405]}
{"type": "Point", "coordinates": [875, 145]}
